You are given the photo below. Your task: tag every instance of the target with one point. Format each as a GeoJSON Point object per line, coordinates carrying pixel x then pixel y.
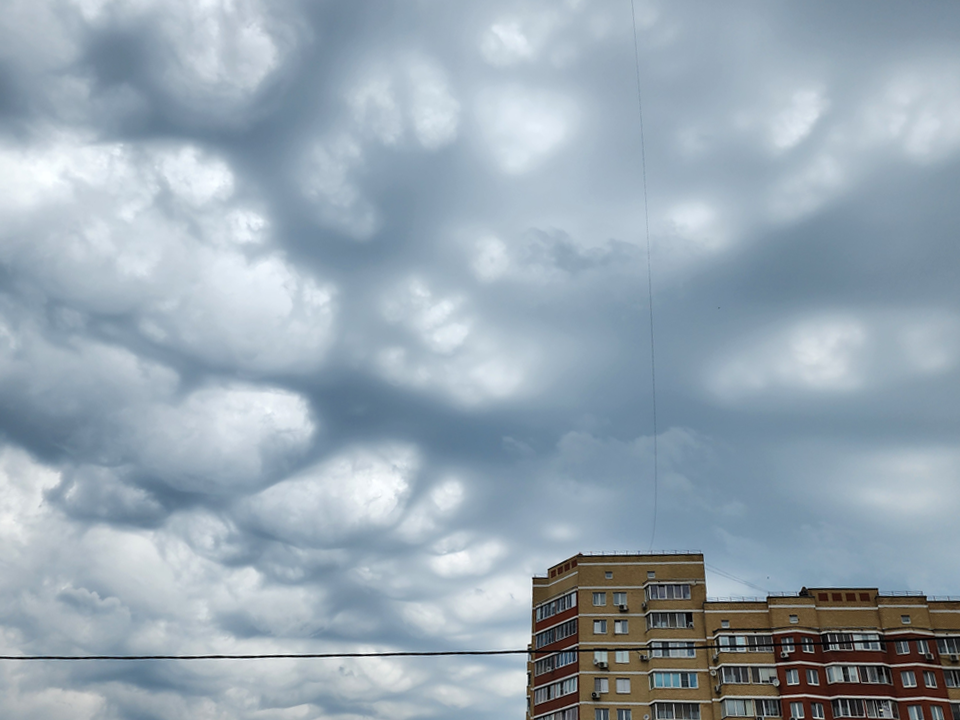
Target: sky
{"type": "Point", "coordinates": [325, 326]}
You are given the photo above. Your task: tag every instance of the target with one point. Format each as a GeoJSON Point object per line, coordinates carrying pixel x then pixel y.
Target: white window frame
{"type": "Point", "coordinates": [621, 627]}
{"type": "Point", "coordinates": [796, 710]}
{"type": "Point", "coordinates": [929, 679]}
{"type": "Point", "coordinates": [816, 711]}
{"type": "Point", "coordinates": [915, 712]}
{"type": "Point", "coordinates": [627, 714]}
{"type": "Point", "coordinates": [621, 656]}
{"type": "Point", "coordinates": [620, 598]}
{"type": "Point", "coordinates": [601, 597]}
{"type": "Point", "coordinates": [813, 676]}
{"type": "Point", "coordinates": [601, 685]}
{"type": "Point", "coordinates": [599, 627]}
{"type": "Point", "coordinates": [902, 647]}
{"type": "Point", "coordinates": [806, 644]}
{"type": "Point", "coordinates": [623, 686]}
{"type": "Point", "coordinates": [793, 676]}
{"type": "Point", "coordinates": [908, 678]}
{"type": "Point", "coordinates": [601, 714]}
{"type": "Point", "coordinates": [936, 712]}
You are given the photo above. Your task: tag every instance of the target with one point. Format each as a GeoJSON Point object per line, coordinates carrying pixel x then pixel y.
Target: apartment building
{"type": "Point", "coordinates": [635, 637]}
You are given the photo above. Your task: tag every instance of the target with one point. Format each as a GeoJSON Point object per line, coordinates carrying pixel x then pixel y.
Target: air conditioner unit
{"type": "Point", "coordinates": [717, 689]}
{"type": "Point", "coordinates": [784, 654]}
{"type": "Point", "coordinates": [775, 682]}
{"type": "Point", "coordinates": [929, 656]}
{"type": "Point", "coordinates": [713, 672]}
{"type": "Point", "coordinates": [644, 657]}
{"type": "Point", "coordinates": [595, 695]}
{"type": "Point", "coordinates": [955, 658]}
{"type": "Point", "coordinates": [690, 624]}
{"type": "Point", "coordinates": [716, 656]}
{"type": "Point", "coordinates": [602, 665]}
{"type": "Point", "coordinates": [623, 608]}
{"type": "Point", "coordinates": [644, 605]}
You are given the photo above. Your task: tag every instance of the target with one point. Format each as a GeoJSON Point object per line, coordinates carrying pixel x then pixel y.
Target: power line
{"type": "Point", "coordinates": [665, 645]}
{"type": "Point", "coordinates": [646, 221]}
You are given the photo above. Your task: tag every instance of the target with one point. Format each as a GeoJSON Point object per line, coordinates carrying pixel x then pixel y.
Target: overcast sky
{"type": "Point", "coordinates": [324, 326]}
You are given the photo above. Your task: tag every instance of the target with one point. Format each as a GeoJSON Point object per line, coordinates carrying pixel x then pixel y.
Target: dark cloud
{"type": "Point", "coordinates": [324, 326]}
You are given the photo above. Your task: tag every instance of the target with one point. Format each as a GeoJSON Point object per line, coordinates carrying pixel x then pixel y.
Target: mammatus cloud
{"type": "Point", "coordinates": [323, 328]}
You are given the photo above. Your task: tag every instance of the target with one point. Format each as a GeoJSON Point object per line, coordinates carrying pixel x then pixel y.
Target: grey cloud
{"type": "Point", "coordinates": [324, 326]}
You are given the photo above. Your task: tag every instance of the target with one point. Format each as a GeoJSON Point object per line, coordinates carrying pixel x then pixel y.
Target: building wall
{"type": "Point", "coordinates": [611, 650]}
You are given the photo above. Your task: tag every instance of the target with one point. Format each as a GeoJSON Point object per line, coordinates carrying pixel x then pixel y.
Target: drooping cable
{"type": "Point", "coordinates": [646, 223]}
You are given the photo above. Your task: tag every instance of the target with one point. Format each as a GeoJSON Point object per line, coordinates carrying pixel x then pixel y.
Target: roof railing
{"type": "Point", "coordinates": [900, 593]}
{"type": "Point", "coordinates": [631, 553]}
{"type": "Point", "coordinates": [736, 598]}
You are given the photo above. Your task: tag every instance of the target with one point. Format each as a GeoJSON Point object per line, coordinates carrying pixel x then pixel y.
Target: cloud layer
{"type": "Point", "coordinates": [323, 327]}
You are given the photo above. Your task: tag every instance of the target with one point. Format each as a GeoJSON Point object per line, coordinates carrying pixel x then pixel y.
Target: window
{"type": "Point", "coordinates": [806, 644]}
{"type": "Point", "coordinates": [627, 714]}
{"type": "Point", "coordinates": [555, 690]}
{"type": "Point", "coordinates": [936, 712]}
{"type": "Point", "coordinates": [668, 592]}
{"type": "Point", "coordinates": [793, 677]}
{"type": "Point", "coordinates": [599, 656]}
{"type": "Point", "coordinates": [948, 646]}
{"type": "Point", "coordinates": [619, 598]}
{"type": "Point", "coordinates": [852, 641]}
{"type": "Point", "coordinates": [724, 624]}
{"type": "Point", "coordinates": [621, 627]}
{"type": "Point", "coordinates": [599, 599]}
{"type": "Point", "coordinates": [601, 685]}
{"type": "Point", "coordinates": [743, 674]}
{"type": "Point", "coordinates": [608, 575]}
{"type": "Point", "coordinates": [651, 574]}
{"type": "Point", "coordinates": [673, 680]}
{"type": "Point", "coordinates": [601, 714]}
{"type": "Point", "coordinates": [902, 647]}
{"type": "Point", "coordinates": [737, 708]}
{"type": "Point", "coordinates": [676, 711]}
{"type": "Point", "coordinates": [623, 685]}
{"type": "Point", "coordinates": [557, 632]}
{"type": "Point", "coordinates": [813, 677]}
{"type": "Point", "coordinates": [786, 645]}
{"type": "Point", "coordinates": [669, 620]}
{"type": "Point", "coordinates": [796, 709]}
{"type": "Point", "coordinates": [746, 643]}
{"type": "Point", "coordinates": [951, 678]}
{"type": "Point", "coordinates": [673, 649]}
{"type": "Point", "coordinates": [922, 647]}
{"type": "Point", "coordinates": [904, 619]}
{"type": "Point", "coordinates": [552, 662]}
{"type": "Point", "coordinates": [875, 674]}
{"type": "Point", "coordinates": [908, 678]}
{"type": "Point", "coordinates": [816, 711]}
{"type": "Point", "coordinates": [861, 707]}
{"type": "Point", "coordinates": [915, 712]}
{"type": "Point", "coordinates": [842, 674]}
{"type": "Point", "coordinates": [929, 678]}
{"type": "Point", "coordinates": [767, 708]}
{"type": "Point", "coordinates": [551, 608]}
{"type": "Point", "coordinates": [794, 619]}
{"type": "Point", "coordinates": [599, 627]}
{"type": "Point", "coordinates": [567, 714]}
{"type": "Point", "coordinates": [621, 656]}
{"type": "Point", "coordinates": [955, 710]}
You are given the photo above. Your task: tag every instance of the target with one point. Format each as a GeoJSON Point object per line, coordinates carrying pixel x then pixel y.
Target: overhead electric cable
{"type": "Point", "coordinates": [646, 222]}
{"type": "Point", "coordinates": [764, 646]}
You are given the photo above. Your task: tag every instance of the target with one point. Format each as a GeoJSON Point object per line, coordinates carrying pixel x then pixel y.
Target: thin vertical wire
{"type": "Point", "coordinates": [646, 223]}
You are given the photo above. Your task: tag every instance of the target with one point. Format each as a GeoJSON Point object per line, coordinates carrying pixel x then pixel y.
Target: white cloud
{"type": "Point", "coordinates": [219, 439]}
{"type": "Point", "coordinates": [523, 127]}
{"type": "Point", "coordinates": [448, 353]}
{"type": "Point", "coordinates": [361, 489]}
{"type": "Point", "coordinates": [840, 353]}
{"type": "Point", "coordinates": [328, 179]}
{"type": "Point", "coordinates": [791, 125]}
{"type": "Point", "coordinates": [157, 232]}
{"type": "Point", "coordinates": [434, 111]}
{"type": "Point", "coordinates": [460, 555]}
{"type": "Point", "coordinates": [505, 43]}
